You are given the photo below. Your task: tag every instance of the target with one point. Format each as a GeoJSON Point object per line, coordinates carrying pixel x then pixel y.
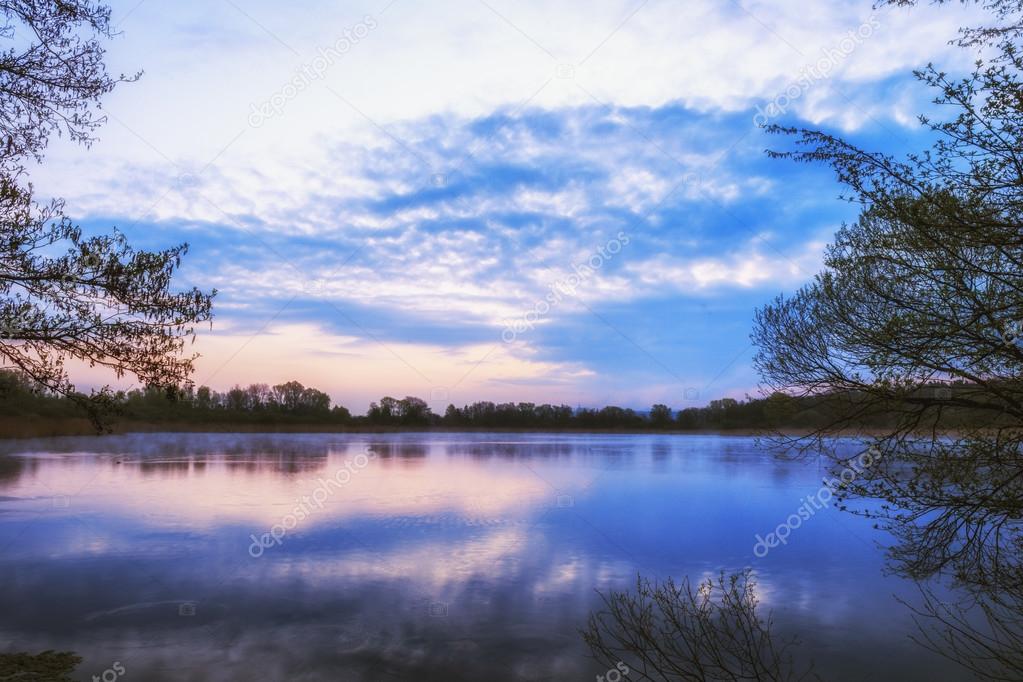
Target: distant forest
{"type": "Point", "coordinates": [291, 403]}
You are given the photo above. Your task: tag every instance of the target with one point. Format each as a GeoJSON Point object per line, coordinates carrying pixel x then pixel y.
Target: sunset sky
{"type": "Point", "coordinates": [489, 199]}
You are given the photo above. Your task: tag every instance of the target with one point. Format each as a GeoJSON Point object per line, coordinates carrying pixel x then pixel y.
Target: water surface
{"type": "Point", "coordinates": [413, 556]}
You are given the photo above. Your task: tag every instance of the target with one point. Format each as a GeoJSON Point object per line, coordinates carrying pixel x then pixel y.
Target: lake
{"type": "Point", "coordinates": [435, 556]}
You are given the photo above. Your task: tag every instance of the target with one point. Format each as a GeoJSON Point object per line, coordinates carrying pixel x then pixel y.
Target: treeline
{"type": "Point", "coordinates": [288, 402]}
{"type": "Point", "coordinates": [293, 403]}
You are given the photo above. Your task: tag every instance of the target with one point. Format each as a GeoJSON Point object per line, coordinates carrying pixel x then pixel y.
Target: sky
{"type": "Point", "coordinates": [491, 200]}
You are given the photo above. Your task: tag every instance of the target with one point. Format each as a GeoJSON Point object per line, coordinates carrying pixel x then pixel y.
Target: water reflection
{"type": "Point", "coordinates": [445, 556]}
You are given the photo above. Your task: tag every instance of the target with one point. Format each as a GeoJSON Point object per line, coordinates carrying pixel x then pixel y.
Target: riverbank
{"type": "Point", "coordinates": [40, 427]}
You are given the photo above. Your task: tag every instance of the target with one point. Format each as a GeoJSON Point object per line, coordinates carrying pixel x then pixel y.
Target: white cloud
{"type": "Point", "coordinates": [205, 68]}
{"type": "Point", "coordinates": [758, 263]}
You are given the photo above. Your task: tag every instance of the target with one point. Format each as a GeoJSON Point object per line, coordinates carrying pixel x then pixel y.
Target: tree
{"type": "Point", "coordinates": [54, 78]}
{"type": "Point", "coordinates": [384, 413]}
{"type": "Point", "coordinates": [452, 416]}
{"type": "Point", "coordinates": [287, 396]}
{"type": "Point", "coordinates": [414, 411]}
{"type": "Point", "coordinates": [65, 295]}
{"type": "Point", "coordinates": [341, 414]}
{"type": "Point", "coordinates": [660, 416]}
{"type": "Point", "coordinates": [706, 632]}
{"type": "Point", "coordinates": [917, 318]}
{"type": "Point", "coordinates": [47, 666]}
{"type": "Point", "coordinates": [204, 398]}
{"type": "Point", "coordinates": [237, 399]}
{"type": "Point", "coordinates": [314, 401]}
{"type": "Point", "coordinates": [257, 396]}
{"type": "Point", "coordinates": [1008, 20]}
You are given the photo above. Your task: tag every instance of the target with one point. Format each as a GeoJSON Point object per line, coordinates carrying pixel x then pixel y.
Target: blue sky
{"type": "Point", "coordinates": [552, 202]}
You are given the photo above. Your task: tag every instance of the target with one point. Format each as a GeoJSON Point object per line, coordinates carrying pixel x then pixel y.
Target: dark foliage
{"type": "Point", "coordinates": [48, 666]}
{"type": "Point", "coordinates": [293, 402]}
{"type": "Point", "coordinates": [925, 289]}
{"type": "Point", "coordinates": [65, 295]}
{"type": "Point", "coordinates": [708, 632]}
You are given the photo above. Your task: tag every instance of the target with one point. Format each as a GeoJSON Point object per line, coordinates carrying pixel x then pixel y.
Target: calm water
{"type": "Point", "coordinates": [427, 557]}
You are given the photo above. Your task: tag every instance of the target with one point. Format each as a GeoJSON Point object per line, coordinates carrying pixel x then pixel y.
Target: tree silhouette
{"type": "Point", "coordinates": [65, 295]}
{"type": "Point", "coordinates": [708, 632]}
{"type": "Point", "coordinates": [916, 317]}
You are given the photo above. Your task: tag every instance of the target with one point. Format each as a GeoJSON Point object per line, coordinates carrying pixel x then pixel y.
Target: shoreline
{"type": "Point", "coordinates": [19, 428]}
{"type": "Point", "coordinates": [23, 428]}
